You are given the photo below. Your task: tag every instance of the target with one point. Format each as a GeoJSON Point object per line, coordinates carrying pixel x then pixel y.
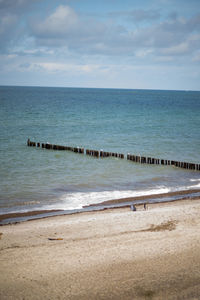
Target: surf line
{"type": "Point", "coordinates": [134, 158]}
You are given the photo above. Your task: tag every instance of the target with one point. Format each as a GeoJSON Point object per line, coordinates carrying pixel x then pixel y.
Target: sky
{"type": "Point", "coordinates": [148, 44]}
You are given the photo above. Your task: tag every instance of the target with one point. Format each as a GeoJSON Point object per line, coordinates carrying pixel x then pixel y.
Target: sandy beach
{"type": "Point", "coordinates": [111, 254]}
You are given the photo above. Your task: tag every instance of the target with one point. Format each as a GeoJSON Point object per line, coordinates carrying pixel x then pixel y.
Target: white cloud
{"type": "Point", "coordinates": [182, 48]}
{"type": "Point", "coordinates": [143, 52]}
{"type": "Point", "coordinates": [59, 23]}
{"type": "Point", "coordinates": [53, 67]}
{"type": "Point", "coordinates": [65, 28]}
{"type": "Point", "coordinates": [60, 41]}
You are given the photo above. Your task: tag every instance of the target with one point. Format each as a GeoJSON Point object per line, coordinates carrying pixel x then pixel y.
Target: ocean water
{"type": "Point", "coordinates": [161, 124]}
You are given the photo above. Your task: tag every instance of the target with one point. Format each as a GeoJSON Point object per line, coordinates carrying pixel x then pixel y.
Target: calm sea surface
{"type": "Point", "coordinates": [161, 124]}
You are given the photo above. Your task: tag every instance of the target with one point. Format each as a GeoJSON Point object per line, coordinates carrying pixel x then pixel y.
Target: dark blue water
{"type": "Point", "coordinates": [161, 124]}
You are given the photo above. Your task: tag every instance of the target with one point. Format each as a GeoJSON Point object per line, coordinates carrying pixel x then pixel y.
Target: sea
{"type": "Point", "coordinates": [151, 123]}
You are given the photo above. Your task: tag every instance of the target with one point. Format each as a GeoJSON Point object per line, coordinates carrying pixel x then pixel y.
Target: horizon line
{"type": "Point", "coordinates": [106, 88]}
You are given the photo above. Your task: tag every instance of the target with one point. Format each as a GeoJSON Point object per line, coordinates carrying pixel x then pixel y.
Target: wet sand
{"type": "Point", "coordinates": [110, 254]}
{"type": "Point", "coordinates": [18, 216]}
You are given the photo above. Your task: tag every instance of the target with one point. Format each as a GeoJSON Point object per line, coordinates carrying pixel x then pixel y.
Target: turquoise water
{"type": "Point", "coordinates": [161, 124]}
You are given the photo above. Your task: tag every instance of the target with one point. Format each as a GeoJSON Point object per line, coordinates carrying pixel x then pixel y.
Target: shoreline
{"type": "Point", "coordinates": [17, 217]}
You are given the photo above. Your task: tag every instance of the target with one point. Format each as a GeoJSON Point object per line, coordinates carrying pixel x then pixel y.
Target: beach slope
{"type": "Point", "coordinates": [111, 254]}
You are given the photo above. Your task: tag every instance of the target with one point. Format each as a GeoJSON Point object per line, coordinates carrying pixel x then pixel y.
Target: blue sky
{"type": "Point", "coordinates": [105, 44]}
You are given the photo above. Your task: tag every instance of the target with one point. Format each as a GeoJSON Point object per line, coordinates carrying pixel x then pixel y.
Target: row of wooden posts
{"type": "Point", "coordinates": [134, 158]}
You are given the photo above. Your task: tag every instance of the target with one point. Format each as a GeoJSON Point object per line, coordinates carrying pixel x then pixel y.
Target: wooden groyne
{"type": "Point", "coordinates": [103, 154]}
{"type": "Point", "coordinates": [157, 161]}
{"type": "Point", "coordinates": [55, 147]}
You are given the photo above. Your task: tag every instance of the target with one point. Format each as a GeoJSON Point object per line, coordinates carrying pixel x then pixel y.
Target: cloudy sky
{"type": "Point", "coordinates": [148, 44]}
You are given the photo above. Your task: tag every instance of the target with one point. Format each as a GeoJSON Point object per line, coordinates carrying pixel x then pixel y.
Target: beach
{"type": "Point", "coordinates": [110, 254]}
{"type": "Point", "coordinates": [99, 150]}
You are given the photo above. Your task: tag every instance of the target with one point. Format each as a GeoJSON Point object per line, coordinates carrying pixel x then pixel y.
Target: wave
{"type": "Point", "coordinates": [77, 200]}
{"type": "Point", "coordinates": [195, 180]}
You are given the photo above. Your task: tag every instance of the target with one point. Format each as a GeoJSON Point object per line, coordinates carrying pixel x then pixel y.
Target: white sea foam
{"type": "Point", "coordinates": [196, 186]}
{"type": "Point", "coordinates": [195, 180]}
{"type": "Point", "coordinates": [78, 200]}
{"type": "Point", "coordinates": [188, 187]}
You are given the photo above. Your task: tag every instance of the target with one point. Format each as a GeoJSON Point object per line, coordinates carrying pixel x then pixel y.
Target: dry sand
{"type": "Point", "coordinates": [112, 254]}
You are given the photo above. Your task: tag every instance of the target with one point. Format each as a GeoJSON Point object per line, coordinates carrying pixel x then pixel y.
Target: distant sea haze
{"type": "Point", "coordinates": [161, 124]}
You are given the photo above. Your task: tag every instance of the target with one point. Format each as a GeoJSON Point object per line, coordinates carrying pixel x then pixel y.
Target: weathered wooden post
{"type": "Point", "coordinates": [149, 160]}
{"type": "Point", "coordinates": [81, 150]}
